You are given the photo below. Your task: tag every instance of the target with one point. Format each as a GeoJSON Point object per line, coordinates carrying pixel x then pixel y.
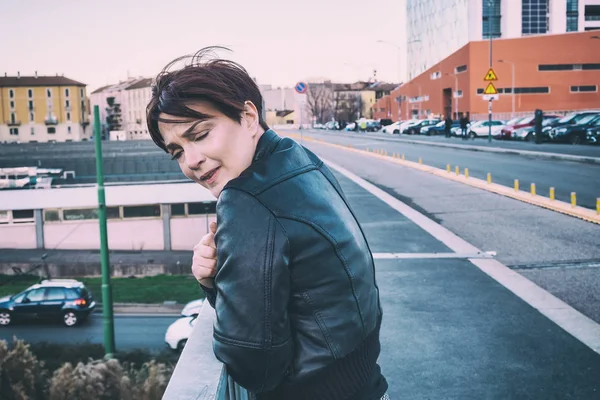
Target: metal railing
{"type": "Point", "coordinates": [198, 375]}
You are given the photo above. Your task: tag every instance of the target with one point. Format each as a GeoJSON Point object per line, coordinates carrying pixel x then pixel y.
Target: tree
{"type": "Point", "coordinates": [319, 101]}
{"type": "Point", "coordinates": [348, 105]}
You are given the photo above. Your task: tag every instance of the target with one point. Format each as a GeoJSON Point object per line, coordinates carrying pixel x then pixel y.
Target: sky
{"type": "Point", "coordinates": [279, 42]}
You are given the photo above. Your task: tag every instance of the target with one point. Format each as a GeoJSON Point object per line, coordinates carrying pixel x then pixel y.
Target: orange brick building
{"type": "Point", "coordinates": [556, 73]}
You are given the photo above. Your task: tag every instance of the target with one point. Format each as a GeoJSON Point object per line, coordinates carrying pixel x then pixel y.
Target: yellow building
{"type": "Point", "coordinates": [282, 117]}
{"type": "Point", "coordinates": [43, 109]}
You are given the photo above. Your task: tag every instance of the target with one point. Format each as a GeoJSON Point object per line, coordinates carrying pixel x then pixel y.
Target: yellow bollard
{"type": "Point", "coordinates": [420, 161]}
{"type": "Point", "coordinates": [516, 185]}
{"type": "Point", "coordinates": [489, 178]}
{"type": "Point", "coordinates": [466, 172]}
{"type": "Point", "coordinates": [573, 199]}
{"type": "Point", "coordinates": [532, 190]}
{"type": "Point", "coordinates": [367, 149]}
{"type": "Point", "coordinates": [402, 157]}
{"type": "Point", "coordinates": [598, 206]}
{"type": "Point", "coordinates": [552, 193]}
{"type": "Point", "coordinates": [386, 153]}
{"type": "Point", "coordinates": [448, 168]}
{"type": "Point", "coordinates": [457, 170]}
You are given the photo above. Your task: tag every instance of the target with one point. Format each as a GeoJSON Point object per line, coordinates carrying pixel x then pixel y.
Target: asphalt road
{"type": "Point", "coordinates": [557, 252]}
{"type": "Point", "coordinates": [564, 176]}
{"type": "Point", "coordinates": [131, 332]}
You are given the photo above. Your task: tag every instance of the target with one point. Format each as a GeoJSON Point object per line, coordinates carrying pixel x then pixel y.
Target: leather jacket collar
{"type": "Point", "coordinates": [266, 144]}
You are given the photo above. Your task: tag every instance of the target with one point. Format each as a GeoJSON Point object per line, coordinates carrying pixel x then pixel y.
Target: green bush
{"type": "Point", "coordinates": [73, 372]}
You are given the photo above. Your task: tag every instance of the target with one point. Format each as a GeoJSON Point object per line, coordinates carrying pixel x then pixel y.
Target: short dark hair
{"type": "Point", "coordinates": [224, 84]}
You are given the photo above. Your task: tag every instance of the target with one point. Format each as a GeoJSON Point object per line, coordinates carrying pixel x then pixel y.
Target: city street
{"type": "Point", "coordinates": [131, 332]}
{"type": "Point", "coordinates": [564, 176]}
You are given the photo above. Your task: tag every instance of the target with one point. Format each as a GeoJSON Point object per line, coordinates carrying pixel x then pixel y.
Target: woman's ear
{"type": "Point", "coordinates": [250, 115]}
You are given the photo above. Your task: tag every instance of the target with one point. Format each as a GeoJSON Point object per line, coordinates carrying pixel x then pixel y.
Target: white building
{"type": "Point", "coordinates": [128, 110]}
{"type": "Point", "coordinates": [437, 28]}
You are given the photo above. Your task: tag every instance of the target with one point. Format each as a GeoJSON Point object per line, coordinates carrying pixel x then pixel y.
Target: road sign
{"type": "Point", "coordinates": [490, 97]}
{"type": "Point", "coordinates": [490, 76]}
{"type": "Point", "coordinates": [490, 89]}
{"type": "Point", "coordinates": [301, 87]}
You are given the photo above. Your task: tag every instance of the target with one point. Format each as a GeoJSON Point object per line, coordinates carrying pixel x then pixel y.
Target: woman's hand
{"type": "Point", "coordinates": [204, 262]}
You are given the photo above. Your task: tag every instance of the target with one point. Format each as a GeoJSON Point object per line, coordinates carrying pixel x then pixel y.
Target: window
{"type": "Point", "coordinates": [31, 117]}
{"type": "Point", "coordinates": [51, 130]}
{"type": "Point", "coordinates": [590, 67]}
{"type": "Point", "coordinates": [67, 92]}
{"type": "Point", "coordinates": [534, 19]}
{"type": "Point", "coordinates": [532, 90]}
{"type": "Point", "coordinates": [68, 116]}
{"type": "Point", "coordinates": [69, 130]}
{"type": "Point", "coordinates": [4, 217]}
{"type": "Point", "coordinates": [14, 131]}
{"type": "Point", "coordinates": [49, 93]}
{"type": "Point", "coordinates": [30, 93]}
{"type": "Point", "coordinates": [12, 105]}
{"type": "Point", "coordinates": [21, 216]}
{"type": "Point", "coordinates": [480, 91]}
{"type": "Point", "coordinates": [32, 131]}
{"type": "Point", "coordinates": [555, 67]}
{"type": "Point", "coordinates": [572, 15]}
{"type": "Point", "coordinates": [177, 209]}
{"type": "Point", "coordinates": [491, 16]}
{"type": "Point", "coordinates": [80, 214]}
{"type": "Point", "coordinates": [51, 215]}
{"type": "Point", "coordinates": [13, 119]}
{"type": "Point", "coordinates": [113, 212]}
{"type": "Point", "coordinates": [81, 93]}
{"type": "Point", "coordinates": [19, 298]}
{"type": "Point", "coordinates": [55, 293]}
{"type": "Point", "coordinates": [202, 208]}
{"type": "Point", "coordinates": [141, 211]}
{"type": "Point", "coordinates": [460, 68]}
{"type": "Point", "coordinates": [67, 104]}
{"type": "Point", "coordinates": [36, 294]}
{"type": "Point", "coordinates": [30, 105]}
{"type": "Point", "coordinates": [11, 93]}
{"type": "Point", "coordinates": [458, 93]}
{"type": "Point", "coordinates": [584, 88]}
{"type": "Point", "coordinates": [592, 12]}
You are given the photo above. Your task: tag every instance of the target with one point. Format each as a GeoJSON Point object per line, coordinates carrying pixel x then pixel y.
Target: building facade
{"type": "Point", "coordinates": [122, 108]}
{"type": "Point", "coordinates": [555, 73]}
{"type": "Point", "coordinates": [438, 28]}
{"type": "Point", "coordinates": [43, 109]}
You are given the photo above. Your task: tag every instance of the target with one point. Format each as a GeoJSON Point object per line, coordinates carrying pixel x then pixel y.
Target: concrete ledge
{"type": "Point", "coordinates": [540, 201]}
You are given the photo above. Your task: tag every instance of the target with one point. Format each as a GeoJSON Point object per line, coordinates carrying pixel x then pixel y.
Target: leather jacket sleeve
{"type": "Point", "coordinates": [252, 335]}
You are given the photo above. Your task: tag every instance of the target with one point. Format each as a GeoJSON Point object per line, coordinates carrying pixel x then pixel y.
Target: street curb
{"type": "Point", "coordinates": [539, 154]}
{"type": "Point", "coordinates": [158, 309]}
{"type": "Point", "coordinates": [540, 201]}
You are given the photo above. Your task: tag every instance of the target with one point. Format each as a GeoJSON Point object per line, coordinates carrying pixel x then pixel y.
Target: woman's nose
{"type": "Point", "coordinates": [194, 158]}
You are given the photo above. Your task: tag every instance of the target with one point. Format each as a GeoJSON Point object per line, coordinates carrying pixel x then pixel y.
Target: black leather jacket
{"type": "Point", "coordinates": [297, 305]}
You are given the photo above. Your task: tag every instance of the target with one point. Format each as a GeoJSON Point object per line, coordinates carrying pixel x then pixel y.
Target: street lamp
{"type": "Point", "coordinates": [455, 92]}
{"type": "Point", "coordinates": [512, 64]}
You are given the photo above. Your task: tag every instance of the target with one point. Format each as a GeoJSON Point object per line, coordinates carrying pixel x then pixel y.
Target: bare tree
{"type": "Point", "coordinates": [347, 105]}
{"type": "Point", "coordinates": [319, 101]}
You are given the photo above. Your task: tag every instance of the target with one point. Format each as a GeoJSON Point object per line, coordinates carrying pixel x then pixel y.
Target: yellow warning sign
{"type": "Point", "coordinates": [490, 89]}
{"type": "Point", "coordinates": [490, 76]}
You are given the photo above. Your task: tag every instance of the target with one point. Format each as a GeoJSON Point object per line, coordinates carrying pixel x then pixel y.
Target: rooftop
{"type": "Point", "coordinates": [19, 81]}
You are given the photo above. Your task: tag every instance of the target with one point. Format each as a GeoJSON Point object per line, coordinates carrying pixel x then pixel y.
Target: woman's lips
{"type": "Point", "coordinates": [212, 176]}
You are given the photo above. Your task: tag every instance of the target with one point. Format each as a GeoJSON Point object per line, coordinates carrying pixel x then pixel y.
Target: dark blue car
{"type": "Point", "coordinates": [66, 300]}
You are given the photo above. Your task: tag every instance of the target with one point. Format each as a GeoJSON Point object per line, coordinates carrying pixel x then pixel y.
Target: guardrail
{"type": "Point", "coordinates": [198, 374]}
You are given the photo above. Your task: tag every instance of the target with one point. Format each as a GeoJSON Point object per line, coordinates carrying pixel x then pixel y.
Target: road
{"type": "Point", "coordinates": [557, 252]}
{"type": "Point", "coordinates": [564, 176]}
{"type": "Point", "coordinates": [131, 332]}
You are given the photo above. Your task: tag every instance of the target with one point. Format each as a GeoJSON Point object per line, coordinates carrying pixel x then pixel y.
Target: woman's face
{"type": "Point", "coordinates": [215, 150]}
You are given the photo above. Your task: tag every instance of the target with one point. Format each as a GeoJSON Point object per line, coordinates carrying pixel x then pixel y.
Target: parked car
{"type": "Point", "coordinates": [506, 133]}
{"type": "Point", "coordinates": [192, 308]}
{"type": "Point", "coordinates": [373, 126]}
{"type": "Point", "coordinates": [482, 128]}
{"type": "Point", "coordinates": [415, 129]}
{"type": "Point", "coordinates": [67, 300]}
{"type": "Point", "coordinates": [350, 127]}
{"type": "Point", "coordinates": [392, 127]}
{"type": "Point", "coordinates": [576, 133]}
{"type": "Point", "coordinates": [569, 119]}
{"type": "Point", "coordinates": [528, 133]}
{"type": "Point", "coordinates": [179, 332]}
{"type": "Point", "coordinates": [593, 134]}
{"type": "Point", "coordinates": [439, 128]}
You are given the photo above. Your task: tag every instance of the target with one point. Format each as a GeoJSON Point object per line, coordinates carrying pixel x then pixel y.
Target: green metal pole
{"type": "Point", "coordinates": [107, 306]}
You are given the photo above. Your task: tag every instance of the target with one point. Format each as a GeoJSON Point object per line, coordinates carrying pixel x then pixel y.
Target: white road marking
{"type": "Point", "coordinates": [572, 321]}
{"type": "Point", "coordinates": [393, 256]}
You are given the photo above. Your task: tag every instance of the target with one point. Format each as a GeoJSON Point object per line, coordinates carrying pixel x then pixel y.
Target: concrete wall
{"type": "Point", "coordinates": [187, 232]}
{"type": "Point", "coordinates": [18, 236]}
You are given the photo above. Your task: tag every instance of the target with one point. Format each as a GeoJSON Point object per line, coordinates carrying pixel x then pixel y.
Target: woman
{"type": "Point", "coordinates": [290, 273]}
